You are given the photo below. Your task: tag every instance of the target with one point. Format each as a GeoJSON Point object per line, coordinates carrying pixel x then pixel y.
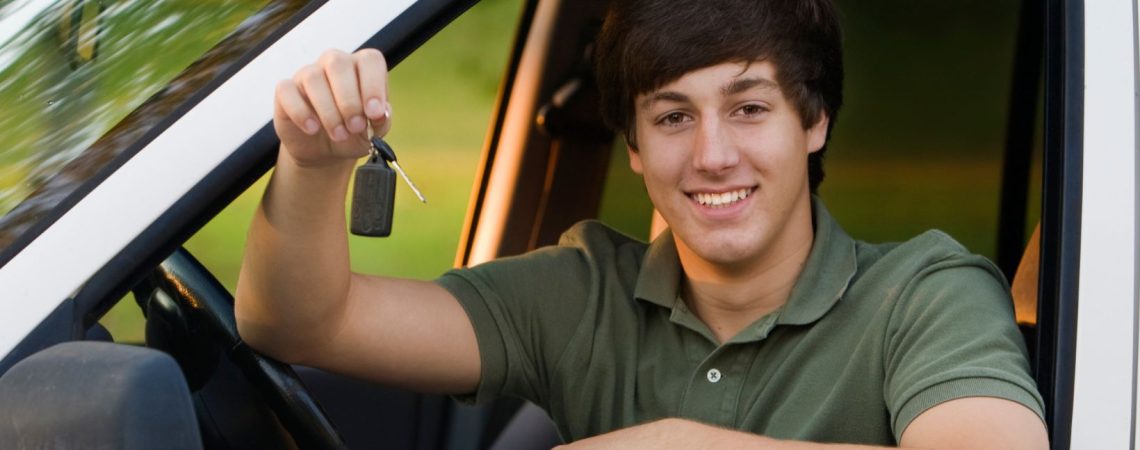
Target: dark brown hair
{"type": "Point", "coordinates": [645, 44]}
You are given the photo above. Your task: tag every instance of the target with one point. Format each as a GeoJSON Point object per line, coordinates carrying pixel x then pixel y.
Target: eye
{"type": "Point", "coordinates": [673, 119]}
{"type": "Point", "coordinates": [752, 110]}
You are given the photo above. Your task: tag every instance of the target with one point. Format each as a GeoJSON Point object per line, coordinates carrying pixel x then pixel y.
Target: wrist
{"type": "Point", "coordinates": [286, 159]}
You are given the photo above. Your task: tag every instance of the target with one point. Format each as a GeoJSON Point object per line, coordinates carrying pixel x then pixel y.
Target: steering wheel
{"type": "Point", "coordinates": [186, 292]}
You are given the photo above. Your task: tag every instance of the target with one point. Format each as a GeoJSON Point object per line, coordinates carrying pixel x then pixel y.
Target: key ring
{"type": "Point", "coordinates": [380, 150]}
{"type": "Point", "coordinates": [373, 153]}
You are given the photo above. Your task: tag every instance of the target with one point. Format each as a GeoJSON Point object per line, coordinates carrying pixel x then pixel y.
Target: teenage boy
{"type": "Point", "coordinates": [753, 321]}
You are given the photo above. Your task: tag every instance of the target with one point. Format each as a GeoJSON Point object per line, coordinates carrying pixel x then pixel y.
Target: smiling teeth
{"type": "Point", "coordinates": [722, 199]}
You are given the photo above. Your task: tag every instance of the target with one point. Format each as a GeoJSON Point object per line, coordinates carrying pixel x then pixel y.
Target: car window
{"type": "Point", "coordinates": [82, 81]}
{"type": "Point", "coordinates": [443, 97]}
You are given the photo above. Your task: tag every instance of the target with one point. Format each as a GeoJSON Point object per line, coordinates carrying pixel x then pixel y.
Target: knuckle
{"type": "Point", "coordinates": [371, 55]}
{"type": "Point", "coordinates": [334, 58]}
{"type": "Point", "coordinates": [350, 108]}
{"type": "Point", "coordinates": [310, 75]}
{"type": "Point", "coordinates": [329, 55]}
{"type": "Point", "coordinates": [284, 88]}
{"type": "Point", "coordinates": [330, 117]}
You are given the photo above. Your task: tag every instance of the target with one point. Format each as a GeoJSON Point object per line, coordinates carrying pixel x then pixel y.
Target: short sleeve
{"type": "Point", "coordinates": [952, 335]}
{"type": "Point", "coordinates": [524, 310]}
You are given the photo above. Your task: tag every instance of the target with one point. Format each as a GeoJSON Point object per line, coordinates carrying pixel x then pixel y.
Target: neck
{"type": "Point", "coordinates": [728, 298]}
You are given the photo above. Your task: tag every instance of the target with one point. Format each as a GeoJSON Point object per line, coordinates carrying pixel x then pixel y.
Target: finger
{"type": "Point", "coordinates": [341, 74]}
{"type": "Point", "coordinates": [292, 107]}
{"type": "Point", "coordinates": [315, 88]}
{"type": "Point", "coordinates": [372, 70]}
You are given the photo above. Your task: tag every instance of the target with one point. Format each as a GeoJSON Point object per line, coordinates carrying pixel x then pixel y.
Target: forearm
{"type": "Point", "coordinates": [687, 434]}
{"type": "Point", "coordinates": [295, 275]}
{"type": "Point", "coordinates": [971, 422]}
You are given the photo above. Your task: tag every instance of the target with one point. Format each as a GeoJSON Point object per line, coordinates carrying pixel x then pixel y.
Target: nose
{"type": "Point", "coordinates": [714, 150]}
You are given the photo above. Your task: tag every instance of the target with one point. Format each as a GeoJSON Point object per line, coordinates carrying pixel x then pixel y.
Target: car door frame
{"type": "Point", "coordinates": [1087, 354]}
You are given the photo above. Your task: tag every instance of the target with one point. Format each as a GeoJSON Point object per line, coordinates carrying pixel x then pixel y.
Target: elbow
{"type": "Point", "coordinates": [288, 330]}
{"type": "Point", "coordinates": [263, 335]}
{"type": "Point", "coordinates": [269, 341]}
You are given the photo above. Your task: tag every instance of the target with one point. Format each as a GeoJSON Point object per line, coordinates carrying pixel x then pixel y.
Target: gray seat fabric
{"type": "Point", "coordinates": [530, 428]}
{"type": "Point", "coordinates": [97, 395]}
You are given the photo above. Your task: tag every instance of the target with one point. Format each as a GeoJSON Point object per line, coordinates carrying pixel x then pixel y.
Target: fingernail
{"type": "Point", "coordinates": [374, 108]}
{"type": "Point", "coordinates": [311, 126]}
{"type": "Point", "coordinates": [339, 133]}
{"type": "Point", "coordinates": [356, 124]}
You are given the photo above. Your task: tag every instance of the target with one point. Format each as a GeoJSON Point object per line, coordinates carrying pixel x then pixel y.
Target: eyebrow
{"type": "Point", "coordinates": [733, 87]}
{"type": "Point", "coordinates": [743, 84]}
{"type": "Point", "coordinates": [668, 96]}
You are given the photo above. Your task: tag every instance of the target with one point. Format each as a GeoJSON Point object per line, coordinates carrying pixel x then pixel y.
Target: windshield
{"type": "Point", "coordinates": [82, 81]}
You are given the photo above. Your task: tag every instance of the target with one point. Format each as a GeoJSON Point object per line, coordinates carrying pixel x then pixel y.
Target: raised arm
{"type": "Point", "coordinates": [297, 299]}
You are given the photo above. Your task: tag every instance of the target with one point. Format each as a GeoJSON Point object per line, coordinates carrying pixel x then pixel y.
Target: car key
{"type": "Point", "coordinates": [373, 195]}
{"type": "Point", "coordinates": [374, 191]}
{"type": "Point", "coordinates": [390, 156]}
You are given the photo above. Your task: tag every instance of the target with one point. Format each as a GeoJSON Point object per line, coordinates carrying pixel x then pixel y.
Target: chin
{"type": "Point", "coordinates": [726, 256]}
{"type": "Point", "coordinates": [723, 250]}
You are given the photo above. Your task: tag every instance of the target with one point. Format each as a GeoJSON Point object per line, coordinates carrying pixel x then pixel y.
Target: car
{"type": "Point", "coordinates": [129, 125]}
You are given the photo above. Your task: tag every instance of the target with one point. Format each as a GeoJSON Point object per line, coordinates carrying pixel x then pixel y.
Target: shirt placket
{"type": "Point", "coordinates": [714, 386]}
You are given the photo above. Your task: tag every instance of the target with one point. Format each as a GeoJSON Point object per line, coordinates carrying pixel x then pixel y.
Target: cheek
{"type": "Point", "coordinates": [658, 159]}
{"type": "Point", "coordinates": [777, 148]}
{"type": "Point", "coordinates": [655, 171]}
{"type": "Point", "coordinates": [789, 164]}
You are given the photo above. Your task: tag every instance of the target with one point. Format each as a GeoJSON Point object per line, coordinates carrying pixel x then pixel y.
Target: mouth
{"type": "Point", "coordinates": [721, 199]}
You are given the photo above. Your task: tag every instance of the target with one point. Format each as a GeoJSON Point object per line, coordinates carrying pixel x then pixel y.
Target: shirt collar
{"type": "Point", "coordinates": [829, 269]}
{"type": "Point", "coordinates": [659, 281]}
{"type": "Point", "coordinates": [828, 272]}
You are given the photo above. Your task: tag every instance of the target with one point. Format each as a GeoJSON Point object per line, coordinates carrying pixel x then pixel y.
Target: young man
{"type": "Point", "coordinates": [753, 321]}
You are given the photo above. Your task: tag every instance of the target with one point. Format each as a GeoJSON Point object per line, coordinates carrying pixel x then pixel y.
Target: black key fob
{"type": "Point", "coordinates": [373, 198]}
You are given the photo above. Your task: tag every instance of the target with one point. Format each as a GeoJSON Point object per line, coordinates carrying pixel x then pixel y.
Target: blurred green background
{"type": "Point", "coordinates": [917, 145]}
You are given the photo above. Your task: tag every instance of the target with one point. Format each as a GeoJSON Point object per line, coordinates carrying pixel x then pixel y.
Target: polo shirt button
{"type": "Point", "coordinates": [713, 375]}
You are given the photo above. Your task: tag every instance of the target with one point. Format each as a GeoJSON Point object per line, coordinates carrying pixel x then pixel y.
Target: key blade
{"type": "Point", "coordinates": [400, 170]}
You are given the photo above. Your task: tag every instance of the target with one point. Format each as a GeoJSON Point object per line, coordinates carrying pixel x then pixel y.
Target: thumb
{"type": "Point", "coordinates": [381, 126]}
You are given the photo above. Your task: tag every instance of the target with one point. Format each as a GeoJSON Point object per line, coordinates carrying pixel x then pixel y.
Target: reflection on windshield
{"type": "Point", "coordinates": [14, 18]}
{"type": "Point", "coordinates": [75, 73]}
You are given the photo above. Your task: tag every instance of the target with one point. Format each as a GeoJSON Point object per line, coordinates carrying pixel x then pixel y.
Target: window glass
{"type": "Point", "coordinates": [919, 141]}
{"type": "Point", "coordinates": [82, 80]}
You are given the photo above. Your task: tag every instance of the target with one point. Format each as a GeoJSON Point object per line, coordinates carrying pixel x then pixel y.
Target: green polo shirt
{"type": "Point", "coordinates": [595, 332]}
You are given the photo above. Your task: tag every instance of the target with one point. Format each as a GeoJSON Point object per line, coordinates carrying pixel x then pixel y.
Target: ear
{"type": "Point", "coordinates": [634, 159]}
{"type": "Point", "coordinates": [817, 134]}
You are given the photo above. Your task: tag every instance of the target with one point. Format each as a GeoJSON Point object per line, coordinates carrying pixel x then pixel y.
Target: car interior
{"type": "Point", "coordinates": [548, 162]}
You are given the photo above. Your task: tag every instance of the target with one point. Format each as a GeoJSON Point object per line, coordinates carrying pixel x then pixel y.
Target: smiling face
{"type": "Point", "coordinates": [724, 158]}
